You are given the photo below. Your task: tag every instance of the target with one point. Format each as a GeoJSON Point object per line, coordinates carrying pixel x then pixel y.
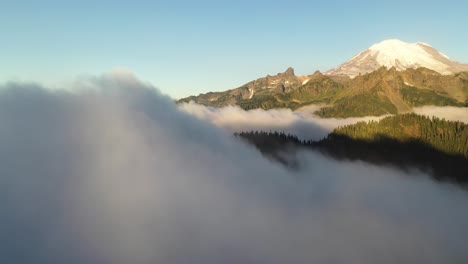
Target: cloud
{"type": "Point", "coordinates": [448, 112]}
{"type": "Point", "coordinates": [114, 172]}
{"type": "Point", "coordinates": [303, 123]}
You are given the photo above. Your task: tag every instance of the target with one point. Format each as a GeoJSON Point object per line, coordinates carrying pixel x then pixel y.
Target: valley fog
{"type": "Point", "coordinates": [302, 123]}
{"type": "Point", "coordinates": [113, 171]}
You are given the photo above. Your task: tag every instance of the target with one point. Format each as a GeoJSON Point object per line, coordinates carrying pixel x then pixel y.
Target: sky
{"type": "Point", "coordinates": [190, 47]}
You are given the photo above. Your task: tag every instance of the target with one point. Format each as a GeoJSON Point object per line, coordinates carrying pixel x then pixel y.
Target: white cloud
{"type": "Point", "coordinates": [448, 112]}
{"type": "Point", "coordinates": [304, 124]}
{"type": "Point", "coordinates": [115, 173]}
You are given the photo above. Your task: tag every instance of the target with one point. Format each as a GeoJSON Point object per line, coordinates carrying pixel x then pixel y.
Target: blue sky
{"type": "Point", "coordinates": [190, 47]}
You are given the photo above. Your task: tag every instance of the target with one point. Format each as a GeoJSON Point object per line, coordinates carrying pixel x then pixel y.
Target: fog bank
{"type": "Point", "coordinates": [448, 112]}
{"type": "Point", "coordinates": [303, 124]}
{"type": "Point", "coordinates": [115, 172]}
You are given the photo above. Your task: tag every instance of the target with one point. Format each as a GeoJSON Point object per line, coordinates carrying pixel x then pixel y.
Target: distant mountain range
{"type": "Point", "coordinates": [388, 78]}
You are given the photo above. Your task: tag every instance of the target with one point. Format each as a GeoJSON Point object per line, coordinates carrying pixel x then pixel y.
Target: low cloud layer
{"type": "Point", "coordinates": [114, 172]}
{"type": "Point", "coordinates": [448, 112]}
{"type": "Point", "coordinates": [304, 123]}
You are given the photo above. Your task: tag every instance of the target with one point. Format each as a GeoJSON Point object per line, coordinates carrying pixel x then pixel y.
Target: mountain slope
{"type": "Point", "coordinates": [284, 90]}
{"type": "Point", "coordinates": [384, 91]}
{"type": "Point", "coordinates": [388, 91]}
{"type": "Point", "coordinates": [407, 141]}
{"type": "Point", "coordinates": [280, 83]}
{"type": "Point", "coordinates": [396, 87]}
{"type": "Point", "coordinates": [402, 56]}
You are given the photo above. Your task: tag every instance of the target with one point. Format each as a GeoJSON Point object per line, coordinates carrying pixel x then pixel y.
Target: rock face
{"type": "Point", "coordinates": [402, 56]}
{"type": "Point", "coordinates": [280, 83]}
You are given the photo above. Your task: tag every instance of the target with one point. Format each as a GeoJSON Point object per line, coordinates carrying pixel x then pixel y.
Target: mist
{"type": "Point", "coordinates": [304, 124]}
{"type": "Point", "coordinates": [448, 112]}
{"type": "Point", "coordinates": [112, 171]}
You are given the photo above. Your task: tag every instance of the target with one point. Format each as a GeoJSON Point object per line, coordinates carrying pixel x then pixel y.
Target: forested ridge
{"type": "Point", "coordinates": [447, 136]}
{"type": "Point", "coordinates": [435, 146]}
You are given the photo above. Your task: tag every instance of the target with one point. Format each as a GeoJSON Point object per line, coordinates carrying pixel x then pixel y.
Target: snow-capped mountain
{"type": "Point", "coordinates": [391, 77]}
{"type": "Point", "coordinates": [401, 55]}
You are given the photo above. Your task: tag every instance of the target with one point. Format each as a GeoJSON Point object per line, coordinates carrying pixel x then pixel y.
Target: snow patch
{"type": "Point", "coordinates": [447, 57]}
{"type": "Point", "coordinates": [358, 55]}
{"type": "Point", "coordinates": [305, 82]}
{"type": "Point", "coordinates": [251, 93]}
{"type": "Point", "coordinates": [424, 43]}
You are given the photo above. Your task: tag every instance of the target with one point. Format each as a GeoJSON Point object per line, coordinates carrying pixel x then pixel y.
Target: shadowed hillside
{"type": "Point", "coordinates": [437, 147]}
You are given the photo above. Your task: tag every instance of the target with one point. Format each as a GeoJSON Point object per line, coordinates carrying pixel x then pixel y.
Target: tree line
{"type": "Point", "coordinates": [435, 146]}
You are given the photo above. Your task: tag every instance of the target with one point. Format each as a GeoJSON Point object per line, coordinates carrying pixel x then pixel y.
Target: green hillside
{"type": "Point", "coordinates": [418, 97]}
{"type": "Point", "coordinates": [447, 136]}
{"type": "Point", "coordinates": [435, 146]}
{"type": "Point", "coordinates": [365, 104]}
{"type": "Point", "coordinates": [384, 91]}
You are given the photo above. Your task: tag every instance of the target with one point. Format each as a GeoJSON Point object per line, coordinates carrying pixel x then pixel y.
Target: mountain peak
{"type": "Point", "coordinates": [401, 55]}
{"type": "Point", "coordinates": [395, 49]}
{"type": "Point", "coordinates": [289, 72]}
{"type": "Point", "coordinates": [390, 42]}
